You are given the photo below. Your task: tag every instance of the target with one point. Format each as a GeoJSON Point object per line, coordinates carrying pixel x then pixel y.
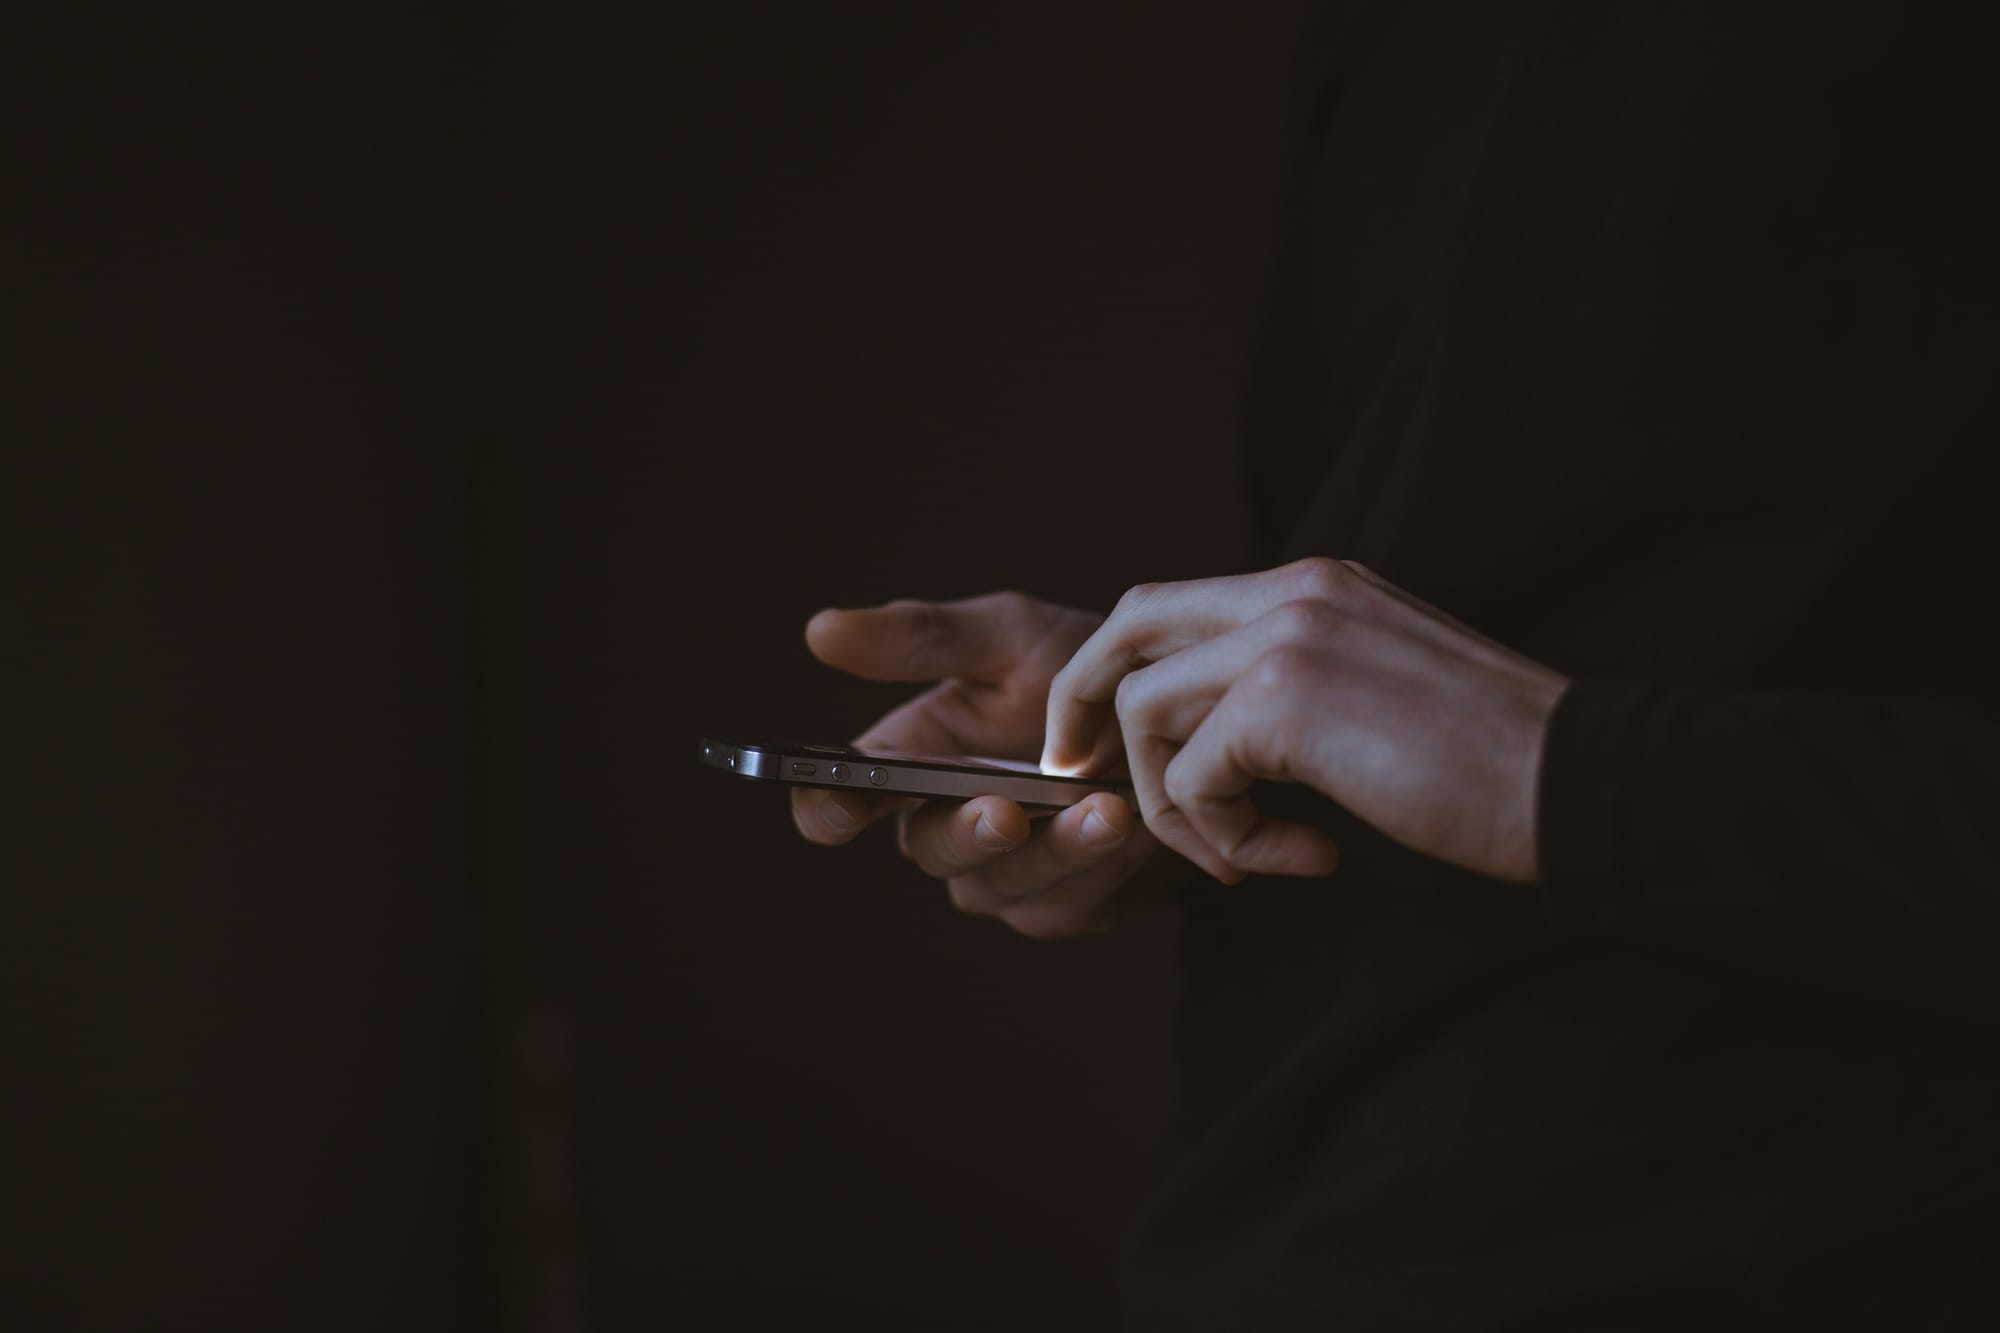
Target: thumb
{"type": "Point", "coordinates": [980, 639]}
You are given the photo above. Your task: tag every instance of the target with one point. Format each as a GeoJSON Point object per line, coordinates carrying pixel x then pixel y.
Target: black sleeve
{"type": "Point", "coordinates": [1843, 842]}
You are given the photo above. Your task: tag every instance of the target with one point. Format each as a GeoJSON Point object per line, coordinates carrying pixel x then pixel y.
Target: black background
{"type": "Point", "coordinates": [418, 425]}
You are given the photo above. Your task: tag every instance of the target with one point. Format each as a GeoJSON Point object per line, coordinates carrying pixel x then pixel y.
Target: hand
{"type": "Point", "coordinates": [994, 657]}
{"type": "Point", "coordinates": [1320, 673]}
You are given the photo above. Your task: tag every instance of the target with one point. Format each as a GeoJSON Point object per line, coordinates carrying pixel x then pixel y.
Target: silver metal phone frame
{"type": "Point", "coordinates": [898, 778]}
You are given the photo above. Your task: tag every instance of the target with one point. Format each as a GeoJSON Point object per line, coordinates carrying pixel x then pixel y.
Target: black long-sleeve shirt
{"type": "Point", "coordinates": [1660, 342]}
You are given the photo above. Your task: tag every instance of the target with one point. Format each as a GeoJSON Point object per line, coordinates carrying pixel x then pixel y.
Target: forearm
{"type": "Point", "coordinates": [1845, 842]}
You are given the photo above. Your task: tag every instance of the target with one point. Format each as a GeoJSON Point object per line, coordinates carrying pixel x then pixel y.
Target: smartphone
{"type": "Point", "coordinates": [896, 773]}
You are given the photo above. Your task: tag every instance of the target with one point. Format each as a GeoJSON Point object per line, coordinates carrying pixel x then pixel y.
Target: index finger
{"type": "Point", "coordinates": [1152, 621]}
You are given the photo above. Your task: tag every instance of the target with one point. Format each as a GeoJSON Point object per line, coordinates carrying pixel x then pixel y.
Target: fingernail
{"type": "Point", "coordinates": [1097, 831]}
{"type": "Point", "coordinates": [987, 836]}
{"type": "Point", "coordinates": [838, 817]}
{"type": "Point", "coordinates": [1051, 764]}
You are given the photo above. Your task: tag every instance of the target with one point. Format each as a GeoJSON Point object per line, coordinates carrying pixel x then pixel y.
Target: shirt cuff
{"type": "Point", "coordinates": [1597, 743]}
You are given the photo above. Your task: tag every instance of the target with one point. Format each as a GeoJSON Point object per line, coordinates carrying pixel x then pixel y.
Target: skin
{"type": "Point", "coordinates": [1318, 672]}
{"type": "Point", "coordinates": [988, 661]}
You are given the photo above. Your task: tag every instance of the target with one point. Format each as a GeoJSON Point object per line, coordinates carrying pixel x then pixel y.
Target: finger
{"type": "Point", "coordinates": [920, 725]}
{"type": "Point", "coordinates": [1150, 756]}
{"type": "Point", "coordinates": [1152, 622]}
{"type": "Point", "coordinates": [1209, 782]}
{"type": "Point", "coordinates": [831, 818]}
{"type": "Point", "coordinates": [947, 839]}
{"type": "Point", "coordinates": [834, 817]}
{"type": "Point", "coordinates": [978, 639]}
{"type": "Point", "coordinates": [1171, 697]}
{"type": "Point", "coordinates": [1161, 705]}
{"type": "Point", "coordinates": [1083, 887]}
{"type": "Point", "coordinates": [1086, 850]}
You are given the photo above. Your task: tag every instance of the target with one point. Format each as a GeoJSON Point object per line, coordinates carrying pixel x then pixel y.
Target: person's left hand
{"type": "Point", "coordinates": [1322, 673]}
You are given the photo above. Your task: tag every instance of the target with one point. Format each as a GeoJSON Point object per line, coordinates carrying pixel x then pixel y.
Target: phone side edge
{"type": "Point", "coordinates": [929, 781]}
{"type": "Point", "coordinates": [743, 759]}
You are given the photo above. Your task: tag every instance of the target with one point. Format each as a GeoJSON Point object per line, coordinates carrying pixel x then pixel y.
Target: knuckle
{"type": "Point", "coordinates": [1157, 814]}
{"type": "Point", "coordinates": [1013, 604]}
{"type": "Point", "coordinates": [1278, 670]}
{"type": "Point", "coordinates": [1305, 618]}
{"type": "Point", "coordinates": [1321, 578]}
{"type": "Point", "coordinates": [1135, 597]}
{"type": "Point", "coordinates": [1131, 699]}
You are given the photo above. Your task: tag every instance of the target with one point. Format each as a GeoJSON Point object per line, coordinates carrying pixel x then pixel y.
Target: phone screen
{"type": "Point", "coordinates": [960, 761]}
{"type": "Point", "coordinates": [928, 760]}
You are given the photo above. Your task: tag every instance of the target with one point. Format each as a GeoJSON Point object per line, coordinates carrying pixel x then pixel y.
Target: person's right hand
{"type": "Point", "coordinates": [992, 658]}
